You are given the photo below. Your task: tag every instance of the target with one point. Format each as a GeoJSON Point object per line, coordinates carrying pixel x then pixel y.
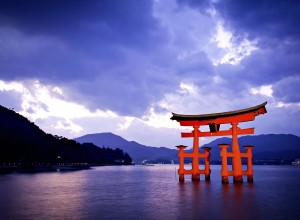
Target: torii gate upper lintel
{"type": "Point", "coordinates": [214, 122]}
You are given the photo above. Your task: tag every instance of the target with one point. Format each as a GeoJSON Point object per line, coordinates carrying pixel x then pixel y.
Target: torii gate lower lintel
{"type": "Point", "coordinates": [214, 122]}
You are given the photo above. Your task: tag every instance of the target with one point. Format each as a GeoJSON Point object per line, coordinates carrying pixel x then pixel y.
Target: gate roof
{"type": "Point", "coordinates": [256, 110]}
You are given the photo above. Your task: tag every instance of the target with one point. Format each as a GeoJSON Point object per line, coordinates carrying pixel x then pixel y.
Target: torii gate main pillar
{"type": "Point", "coordinates": [236, 158]}
{"type": "Point", "coordinates": [214, 122]}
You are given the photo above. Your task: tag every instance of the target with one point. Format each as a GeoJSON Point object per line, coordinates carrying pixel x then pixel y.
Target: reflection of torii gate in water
{"type": "Point", "coordinates": [214, 121]}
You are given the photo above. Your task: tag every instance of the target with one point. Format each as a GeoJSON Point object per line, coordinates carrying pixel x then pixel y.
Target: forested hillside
{"type": "Point", "coordinates": [21, 141]}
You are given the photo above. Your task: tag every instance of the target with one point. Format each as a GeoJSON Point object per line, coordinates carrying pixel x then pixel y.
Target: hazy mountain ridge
{"type": "Point", "coordinates": [266, 147]}
{"type": "Point", "coordinates": [137, 151]}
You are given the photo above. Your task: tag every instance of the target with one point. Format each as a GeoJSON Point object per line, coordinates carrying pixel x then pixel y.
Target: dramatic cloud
{"type": "Point", "coordinates": [285, 89]}
{"type": "Point", "coordinates": [272, 28]}
{"type": "Point", "coordinates": [84, 42]}
{"type": "Point", "coordinates": [76, 67]}
{"type": "Point", "coordinates": [264, 20]}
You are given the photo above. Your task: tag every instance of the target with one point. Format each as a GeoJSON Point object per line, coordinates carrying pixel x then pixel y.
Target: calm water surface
{"type": "Point", "coordinates": [149, 192]}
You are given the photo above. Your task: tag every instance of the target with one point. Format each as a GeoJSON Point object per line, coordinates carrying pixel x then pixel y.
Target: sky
{"type": "Point", "coordinates": [77, 67]}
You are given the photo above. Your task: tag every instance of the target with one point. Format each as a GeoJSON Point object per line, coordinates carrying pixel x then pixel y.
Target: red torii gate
{"type": "Point", "coordinates": [214, 122]}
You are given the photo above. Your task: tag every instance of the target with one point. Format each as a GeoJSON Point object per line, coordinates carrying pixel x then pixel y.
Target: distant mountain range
{"type": "Point", "coordinates": [137, 151]}
{"type": "Point", "coordinates": [24, 142]}
{"type": "Point", "coordinates": [269, 148]}
{"type": "Point", "coordinates": [266, 147]}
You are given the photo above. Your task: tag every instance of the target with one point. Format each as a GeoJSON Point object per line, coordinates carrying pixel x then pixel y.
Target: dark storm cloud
{"type": "Point", "coordinates": [275, 19]}
{"type": "Point", "coordinates": [97, 47]}
{"type": "Point", "coordinates": [202, 5]}
{"type": "Point", "coordinates": [262, 67]}
{"type": "Point", "coordinates": [117, 55]}
{"type": "Point", "coordinates": [286, 89]}
{"type": "Point", "coordinates": [77, 20]}
{"type": "Point", "coordinates": [274, 25]}
{"type": "Point", "coordinates": [75, 30]}
{"type": "Point", "coordinates": [24, 56]}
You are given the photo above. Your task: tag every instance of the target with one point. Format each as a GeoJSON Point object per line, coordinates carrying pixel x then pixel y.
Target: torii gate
{"type": "Point", "coordinates": [214, 121]}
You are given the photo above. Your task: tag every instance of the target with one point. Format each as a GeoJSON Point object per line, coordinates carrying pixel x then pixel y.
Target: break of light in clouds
{"type": "Point", "coordinates": [77, 67]}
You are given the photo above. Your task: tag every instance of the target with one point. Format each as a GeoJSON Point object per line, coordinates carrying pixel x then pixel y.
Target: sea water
{"type": "Point", "coordinates": [149, 192]}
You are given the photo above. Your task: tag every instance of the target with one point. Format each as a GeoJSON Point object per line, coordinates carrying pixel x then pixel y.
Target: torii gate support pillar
{"type": "Point", "coordinates": [195, 171]}
{"type": "Point", "coordinates": [224, 171]}
{"type": "Point", "coordinates": [236, 176]}
{"type": "Point", "coordinates": [207, 162]}
{"type": "Point", "coordinates": [249, 162]}
{"type": "Point", "coordinates": [181, 162]}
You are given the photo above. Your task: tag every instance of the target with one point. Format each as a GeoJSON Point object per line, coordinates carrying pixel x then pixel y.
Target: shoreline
{"type": "Point", "coordinates": [48, 167]}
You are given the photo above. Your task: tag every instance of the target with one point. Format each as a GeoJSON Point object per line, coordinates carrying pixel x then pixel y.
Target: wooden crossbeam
{"type": "Point", "coordinates": [218, 133]}
{"type": "Point", "coordinates": [225, 120]}
{"type": "Point", "coordinates": [192, 155]}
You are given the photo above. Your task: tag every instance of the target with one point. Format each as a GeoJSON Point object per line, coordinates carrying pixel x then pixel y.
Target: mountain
{"type": "Point", "coordinates": [268, 147]}
{"type": "Point", "coordinates": [137, 151]}
{"type": "Point", "coordinates": [22, 142]}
